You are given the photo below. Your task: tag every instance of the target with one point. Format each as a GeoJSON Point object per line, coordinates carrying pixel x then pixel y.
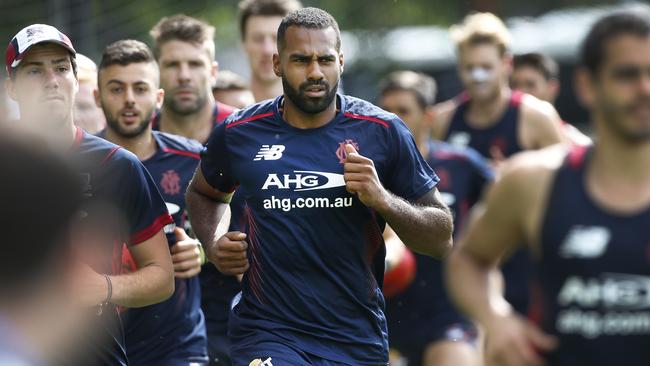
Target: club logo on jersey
{"type": "Point", "coordinates": [340, 152]}
{"type": "Point", "coordinates": [304, 180]}
{"type": "Point", "coordinates": [273, 152]}
{"type": "Point", "coordinates": [459, 138]}
{"type": "Point", "coordinates": [585, 242]}
{"type": "Point", "coordinates": [171, 182]}
{"type": "Point", "coordinates": [259, 362]}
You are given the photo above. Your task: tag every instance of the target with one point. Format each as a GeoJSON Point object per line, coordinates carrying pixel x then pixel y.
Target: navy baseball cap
{"type": "Point", "coordinates": [30, 36]}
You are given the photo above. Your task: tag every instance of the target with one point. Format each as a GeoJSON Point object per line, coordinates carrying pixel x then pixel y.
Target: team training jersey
{"type": "Point", "coordinates": [423, 311]}
{"type": "Point", "coordinates": [123, 202]}
{"type": "Point", "coordinates": [594, 275]}
{"type": "Point", "coordinates": [174, 328]}
{"type": "Point", "coordinates": [503, 134]}
{"type": "Point", "coordinates": [316, 252]}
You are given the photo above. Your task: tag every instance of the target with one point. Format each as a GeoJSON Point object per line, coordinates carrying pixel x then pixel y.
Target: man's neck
{"type": "Point", "coordinates": [299, 119]}
{"type": "Point", "coordinates": [263, 90]}
{"type": "Point", "coordinates": [485, 112]}
{"type": "Point", "coordinates": [143, 145]}
{"type": "Point", "coordinates": [422, 136]}
{"type": "Point", "coordinates": [195, 126]}
{"type": "Point", "coordinates": [618, 172]}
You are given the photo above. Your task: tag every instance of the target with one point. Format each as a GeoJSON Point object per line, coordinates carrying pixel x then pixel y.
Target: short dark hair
{"type": "Point", "coordinates": [228, 80]}
{"type": "Point", "coordinates": [181, 27]}
{"type": "Point", "coordinates": [421, 85]}
{"type": "Point", "coordinates": [37, 214]}
{"type": "Point", "coordinates": [538, 61]}
{"type": "Point", "coordinates": [311, 18]}
{"type": "Point", "coordinates": [606, 28]}
{"type": "Point", "coordinates": [249, 8]}
{"type": "Point", "coordinates": [125, 52]}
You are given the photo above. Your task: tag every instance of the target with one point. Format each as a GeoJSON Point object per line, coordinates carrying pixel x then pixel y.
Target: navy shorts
{"type": "Point", "coordinates": [276, 354]}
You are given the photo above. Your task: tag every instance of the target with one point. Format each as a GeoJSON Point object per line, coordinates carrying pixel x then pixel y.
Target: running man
{"type": "Point", "coordinates": [171, 332]}
{"type": "Point", "coordinates": [584, 213]}
{"type": "Point", "coordinates": [122, 201]}
{"type": "Point", "coordinates": [320, 174]}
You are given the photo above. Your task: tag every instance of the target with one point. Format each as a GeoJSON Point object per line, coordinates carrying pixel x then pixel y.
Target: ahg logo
{"type": "Point", "coordinates": [303, 180]}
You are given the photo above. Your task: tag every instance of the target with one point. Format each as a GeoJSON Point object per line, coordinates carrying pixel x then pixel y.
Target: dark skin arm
{"type": "Point", "coordinates": [424, 226]}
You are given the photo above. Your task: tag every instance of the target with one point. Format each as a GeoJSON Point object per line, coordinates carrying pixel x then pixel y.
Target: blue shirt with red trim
{"type": "Point", "coordinates": [417, 316]}
{"type": "Point", "coordinates": [123, 206]}
{"type": "Point", "coordinates": [316, 252]}
{"type": "Point", "coordinates": [174, 328]}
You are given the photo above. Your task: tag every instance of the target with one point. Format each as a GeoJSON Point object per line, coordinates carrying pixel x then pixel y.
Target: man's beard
{"type": "Point", "coordinates": [305, 103]}
{"type": "Point", "coordinates": [185, 109]}
{"type": "Point", "coordinates": [611, 116]}
{"type": "Point", "coordinates": [113, 123]}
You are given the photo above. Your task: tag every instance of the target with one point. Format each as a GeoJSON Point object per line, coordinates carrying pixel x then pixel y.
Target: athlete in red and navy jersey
{"type": "Point", "coordinates": [171, 332]}
{"type": "Point", "coordinates": [584, 214]}
{"type": "Point", "coordinates": [424, 327]}
{"type": "Point", "coordinates": [184, 48]}
{"type": "Point", "coordinates": [123, 205]}
{"type": "Point", "coordinates": [312, 166]}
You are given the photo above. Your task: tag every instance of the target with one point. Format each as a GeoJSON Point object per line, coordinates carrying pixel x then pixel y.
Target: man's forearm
{"type": "Point", "coordinates": [424, 229]}
{"type": "Point", "coordinates": [148, 285]}
{"type": "Point", "coordinates": [474, 288]}
{"type": "Point", "coordinates": [205, 214]}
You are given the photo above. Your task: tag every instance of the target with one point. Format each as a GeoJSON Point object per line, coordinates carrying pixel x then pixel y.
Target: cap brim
{"type": "Point", "coordinates": [63, 44]}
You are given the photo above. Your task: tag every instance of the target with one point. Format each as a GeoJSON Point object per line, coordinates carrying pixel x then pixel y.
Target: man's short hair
{"type": "Point", "coordinates": [269, 8]}
{"type": "Point", "coordinates": [125, 52]}
{"type": "Point", "coordinates": [538, 61]}
{"type": "Point", "coordinates": [310, 18]}
{"type": "Point", "coordinates": [421, 85]}
{"type": "Point", "coordinates": [181, 27]}
{"type": "Point", "coordinates": [228, 80]}
{"type": "Point", "coordinates": [608, 27]}
{"type": "Point", "coordinates": [37, 215]}
{"type": "Point", "coordinates": [481, 28]}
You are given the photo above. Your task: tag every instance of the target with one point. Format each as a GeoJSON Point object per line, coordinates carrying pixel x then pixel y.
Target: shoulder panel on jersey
{"type": "Point", "coordinates": [515, 98]}
{"type": "Point", "coordinates": [253, 113]}
{"type": "Point", "coordinates": [360, 109]}
{"type": "Point", "coordinates": [179, 145]}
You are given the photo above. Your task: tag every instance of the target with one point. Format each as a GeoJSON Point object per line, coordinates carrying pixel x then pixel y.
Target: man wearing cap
{"type": "Point", "coordinates": [122, 203]}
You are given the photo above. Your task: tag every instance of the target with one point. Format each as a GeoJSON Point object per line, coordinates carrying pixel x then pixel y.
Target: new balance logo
{"type": "Point", "coordinates": [273, 152]}
{"type": "Point", "coordinates": [585, 242]}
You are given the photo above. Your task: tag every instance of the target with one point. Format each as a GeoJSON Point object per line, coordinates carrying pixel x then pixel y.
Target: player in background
{"type": "Point", "coordinates": [423, 325]}
{"type": "Point", "coordinates": [171, 332]}
{"type": "Point", "coordinates": [87, 114]}
{"type": "Point", "coordinates": [316, 170]}
{"type": "Point", "coordinates": [258, 27]}
{"type": "Point", "coordinates": [538, 75]}
{"type": "Point", "coordinates": [232, 89]}
{"type": "Point", "coordinates": [584, 213]}
{"type": "Point", "coordinates": [122, 203]}
{"type": "Point", "coordinates": [494, 120]}
{"type": "Point", "coordinates": [184, 49]}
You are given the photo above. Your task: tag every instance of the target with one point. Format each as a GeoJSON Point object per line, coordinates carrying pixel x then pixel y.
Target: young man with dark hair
{"type": "Point", "coordinates": [315, 208]}
{"type": "Point", "coordinates": [258, 27]}
{"type": "Point", "coordinates": [538, 75]}
{"type": "Point", "coordinates": [184, 49]}
{"type": "Point", "coordinates": [584, 212]}
{"type": "Point", "coordinates": [424, 327]}
{"type": "Point", "coordinates": [232, 89]}
{"type": "Point", "coordinates": [123, 204]}
{"type": "Point", "coordinates": [172, 332]}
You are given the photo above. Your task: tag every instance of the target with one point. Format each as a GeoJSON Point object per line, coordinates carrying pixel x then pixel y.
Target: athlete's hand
{"type": "Point", "coordinates": [89, 287]}
{"type": "Point", "coordinates": [361, 178]}
{"type": "Point", "coordinates": [186, 255]}
{"type": "Point", "coordinates": [514, 341]}
{"type": "Point", "coordinates": [228, 253]}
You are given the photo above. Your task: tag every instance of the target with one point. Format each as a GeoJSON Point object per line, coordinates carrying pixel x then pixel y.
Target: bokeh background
{"type": "Point", "coordinates": [379, 35]}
